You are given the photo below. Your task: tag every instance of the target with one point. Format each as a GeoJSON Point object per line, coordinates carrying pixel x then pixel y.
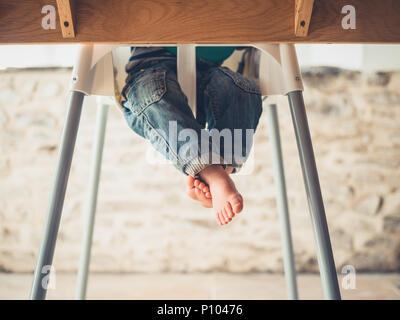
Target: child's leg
{"type": "Point", "coordinates": [233, 106]}
{"type": "Point", "coordinates": [157, 109]}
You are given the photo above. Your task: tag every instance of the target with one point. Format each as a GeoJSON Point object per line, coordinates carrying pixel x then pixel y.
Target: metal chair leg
{"type": "Point", "coordinates": [46, 252]}
{"type": "Point", "coordinates": [91, 203]}
{"type": "Point", "coordinates": [320, 227]}
{"type": "Point", "coordinates": [281, 197]}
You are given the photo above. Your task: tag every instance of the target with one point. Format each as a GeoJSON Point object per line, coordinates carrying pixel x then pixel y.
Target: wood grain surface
{"type": "Point", "coordinates": [303, 11]}
{"type": "Point", "coordinates": [66, 18]}
{"type": "Point", "coordinates": [201, 21]}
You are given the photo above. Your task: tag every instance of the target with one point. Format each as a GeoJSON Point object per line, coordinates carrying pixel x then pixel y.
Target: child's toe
{"type": "Point", "coordinates": [219, 219]}
{"type": "Point", "coordinates": [198, 192]}
{"type": "Point", "coordinates": [236, 203]}
{"type": "Point", "coordinates": [190, 182]}
{"type": "Point", "coordinates": [225, 216]}
{"type": "Point", "coordinates": [229, 210]}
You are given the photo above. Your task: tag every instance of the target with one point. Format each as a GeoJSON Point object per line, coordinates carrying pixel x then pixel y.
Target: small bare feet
{"type": "Point", "coordinates": [226, 200]}
{"type": "Point", "coordinates": [199, 191]}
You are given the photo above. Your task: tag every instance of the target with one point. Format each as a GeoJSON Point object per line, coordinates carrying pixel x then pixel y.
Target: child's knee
{"type": "Point", "coordinates": [246, 84]}
{"type": "Point", "coordinates": [147, 87]}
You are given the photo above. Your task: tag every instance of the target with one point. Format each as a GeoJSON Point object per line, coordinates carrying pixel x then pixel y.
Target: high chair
{"type": "Point", "coordinates": [100, 70]}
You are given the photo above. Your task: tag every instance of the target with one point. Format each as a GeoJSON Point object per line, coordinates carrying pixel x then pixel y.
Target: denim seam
{"type": "Point", "coordinates": [238, 83]}
{"type": "Point", "coordinates": [177, 159]}
{"type": "Point", "coordinates": [155, 97]}
{"type": "Point", "coordinates": [214, 106]}
{"type": "Point", "coordinates": [162, 139]}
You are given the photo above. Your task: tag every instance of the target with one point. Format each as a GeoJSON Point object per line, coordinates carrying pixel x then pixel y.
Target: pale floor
{"type": "Point", "coordinates": [199, 286]}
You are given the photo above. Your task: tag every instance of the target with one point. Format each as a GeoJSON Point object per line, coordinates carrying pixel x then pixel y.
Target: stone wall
{"type": "Point", "coordinates": [146, 223]}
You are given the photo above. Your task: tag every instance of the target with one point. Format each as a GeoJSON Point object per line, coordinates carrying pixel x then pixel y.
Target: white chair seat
{"type": "Point", "coordinates": [100, 70]}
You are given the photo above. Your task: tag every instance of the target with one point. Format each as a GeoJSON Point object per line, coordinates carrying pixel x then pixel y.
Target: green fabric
{"type": "Point", "coordinates": [214, 54]}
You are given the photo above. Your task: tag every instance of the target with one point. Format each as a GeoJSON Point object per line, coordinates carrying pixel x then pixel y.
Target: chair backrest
{"type": "Point", "coordinates": [279, 69]}
{"type": "Point", "coordinates": [100, 70]}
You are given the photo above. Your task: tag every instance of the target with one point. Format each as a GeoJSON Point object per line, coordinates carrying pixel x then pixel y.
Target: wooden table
{"type": "Point", "coordinates": [201, 21]}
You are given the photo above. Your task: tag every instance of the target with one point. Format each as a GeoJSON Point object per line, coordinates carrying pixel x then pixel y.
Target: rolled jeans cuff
{"type": "Point", "coordinates": [194, 166]}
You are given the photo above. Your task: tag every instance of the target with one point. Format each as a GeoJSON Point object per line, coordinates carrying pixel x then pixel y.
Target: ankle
{"type": "Point", "coordinates": [212, 173]}
{"type": "Point", "coordinates": [218, 179]}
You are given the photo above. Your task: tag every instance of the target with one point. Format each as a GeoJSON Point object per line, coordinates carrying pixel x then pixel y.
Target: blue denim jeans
{"type": "Point", "coordinates": [229, 105]}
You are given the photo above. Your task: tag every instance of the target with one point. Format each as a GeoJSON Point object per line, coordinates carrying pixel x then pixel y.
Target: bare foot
{"type": "Point", "coordinates": [199, 191]}
{"type": "Point", "coordinates": [226, 200]}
